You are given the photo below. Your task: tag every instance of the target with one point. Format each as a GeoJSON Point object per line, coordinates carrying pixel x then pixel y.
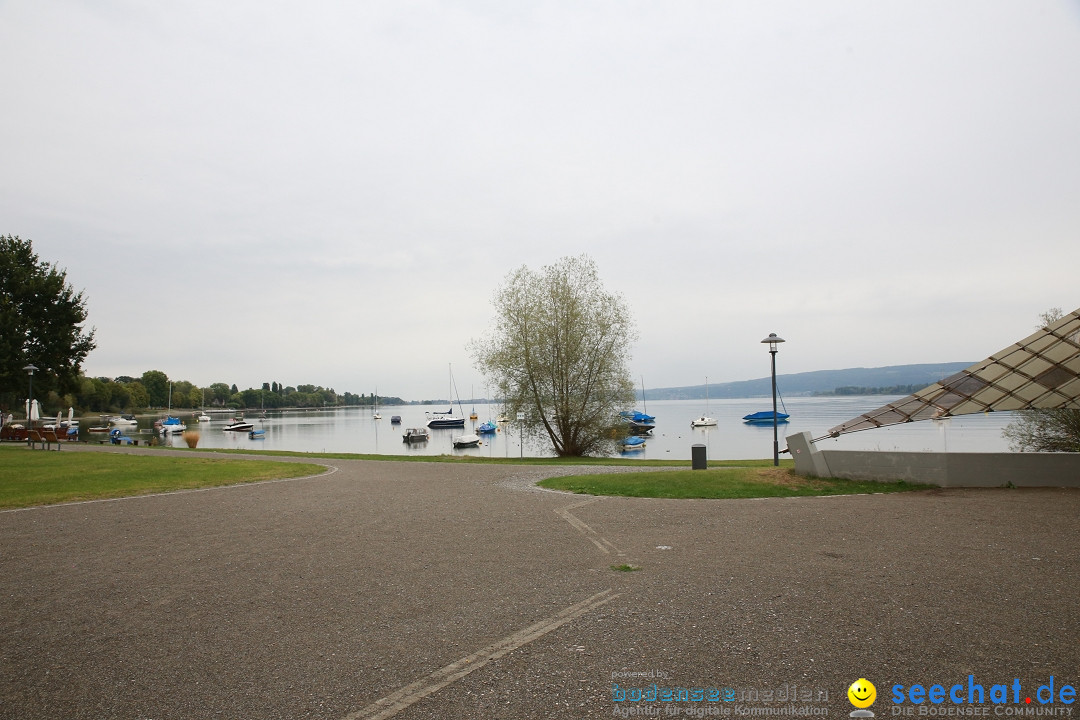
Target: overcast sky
{"type": "Point", "coordinates": [330, 192]}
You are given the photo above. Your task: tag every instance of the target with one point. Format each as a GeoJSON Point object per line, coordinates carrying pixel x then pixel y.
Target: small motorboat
{"type": "Point", "coordinates": [123, 420]}
{"type": "Point", "coordinates": [703, 421]}
{"type": "Point", "coordinates": [765, 417]}
{"type": "Point", "coordinates": [257, 434]}
{"type": "Point", "coordinates": [466, 441]}
{"type": "Point", "coordinates": [640, 428]}
{"type": "Point", "coordinates": [412, 435]}
{"type": "Point", "coordinates": [395, 419]}
{"type": "Point", "coordinates": [204, 418]}
{"type": "Point", "coordinates": [238, 425]}
{"type": "Point", "coordinates": [486, 428]}
{"type": "Point", "coordinates": [633, 443]}
{"type": "Point", "coordinates": [171, 425]}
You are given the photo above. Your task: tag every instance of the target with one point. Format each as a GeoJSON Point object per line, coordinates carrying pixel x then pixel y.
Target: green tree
{"type": "Point", "coordinates": [41, 324]}
{"type": "Point", "coordinates": [219, 394]}
{"type": "Point", "coordinates": [1045, 430]}
{"type": "Point", "coordinates": [157, 387]}
{"type": "Point", "coordinates": [559, 353]}
{"type": "Point", "coordinates": [139, 398]}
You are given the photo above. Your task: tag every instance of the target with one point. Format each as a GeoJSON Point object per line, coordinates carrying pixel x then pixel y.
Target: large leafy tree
{"type": "Point", "coordinates": [1045, 430]}
{"type": "Point", "coordinates": [157, 387]}
{"type": "Point", "coordinates": [559, 353]}
{"type": "Point", "coordinates": [41, 323]}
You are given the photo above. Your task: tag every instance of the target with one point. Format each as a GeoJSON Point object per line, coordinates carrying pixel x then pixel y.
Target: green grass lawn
{"type": "Point", "coordinates": [40, 477]}
{"type": "Point", "coordinates": [720, 483]}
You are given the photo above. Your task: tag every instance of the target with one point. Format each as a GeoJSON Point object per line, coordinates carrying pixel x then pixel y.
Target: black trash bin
{"type": "Point", "coordinates": [698, 461]}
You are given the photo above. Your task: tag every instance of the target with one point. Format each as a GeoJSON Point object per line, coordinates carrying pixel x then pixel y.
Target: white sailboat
{"type": "Point", "coordinates": [375, 410]}
{"type": "Point", "coordinates": [447, 419]}
{"type": "Point", "coordinates": [704, 420]}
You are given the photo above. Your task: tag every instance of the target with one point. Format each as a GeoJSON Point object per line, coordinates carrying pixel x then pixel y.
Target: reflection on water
{"type": "Point", "coordinates": [355, 431]}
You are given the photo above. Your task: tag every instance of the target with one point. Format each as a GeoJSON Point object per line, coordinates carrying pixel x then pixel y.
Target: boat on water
{"type": "Point", "coordinates": [633, 442]}
{"type": "Point", "coordinates": [239, 425]}
{"type": "Point", "coordinates": [204, 418]}
{"type": "Point", "coordinates": [445, 420]}
{"type": "Point", "coordinates": [640, 428]}
{"type": "Point", "coordinates": [467, 441]}
{"type": "Point", "coordinates": [638, 416]}
{"type": "Point", "coordinates": [412, 435]}
{"type": "Point", "coordinates": [171, 425]}
{"type": "Point", "coordinates": [123, 420]}
{"type": "Point", "coordinates": [765, 417]}
{"type": "Point", "coordinates": [395, 419]}
{"type": "Point", "coordinates": [257, 434]}
{"type": "Point", "coordinates": [704, 420]}
{"type": "Point", "coordinates": [486, 428]}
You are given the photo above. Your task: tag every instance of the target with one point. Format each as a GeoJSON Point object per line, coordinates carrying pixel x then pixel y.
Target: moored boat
{"type": "Point", "coordinates": [238, 425]}
{"type": "Point", "coordinates": [467, 441]}
{"type": "Point", "coordinates": [171, 425]}
{"type": "Point", "coordinates": [638, 416]}
{"type": "Point", "coordinates": [487, 428]}
{"type": "Point", "coordinates": [445, 420]}
{"type": "Point", "coordinates": [412, 435]}
{"type": "Point", "coordinates": [633, 443]}
{"type": "Point", "coordinates": [704, 420]}
{"type": "Point", "coordinates": [765, 417]}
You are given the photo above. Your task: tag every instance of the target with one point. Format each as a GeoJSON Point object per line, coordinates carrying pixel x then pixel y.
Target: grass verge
{"type": "Point", "coordinates": [38, 477]}
{"type": "Point", "coordinates": [720, 483]}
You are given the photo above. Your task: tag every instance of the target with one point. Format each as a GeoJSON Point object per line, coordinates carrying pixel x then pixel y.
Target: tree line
{"type": "Point", "coordinates": [154, 389]}
{"type": "Point", "coordinates": [889, 390]}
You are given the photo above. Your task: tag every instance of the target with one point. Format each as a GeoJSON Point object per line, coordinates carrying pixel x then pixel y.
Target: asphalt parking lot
{"type": "Point", "coordinates": [422, 590]}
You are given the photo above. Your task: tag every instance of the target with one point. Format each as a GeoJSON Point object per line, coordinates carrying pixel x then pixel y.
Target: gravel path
{"type": "Point", "coordinates": [420, 590]}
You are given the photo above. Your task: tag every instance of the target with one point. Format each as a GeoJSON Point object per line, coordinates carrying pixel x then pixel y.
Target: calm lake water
{"type": "Point", "coordinates": [355, 431]}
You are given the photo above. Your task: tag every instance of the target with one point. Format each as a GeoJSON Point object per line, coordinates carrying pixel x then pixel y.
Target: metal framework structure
{"type": "Point", "coordinates": [1041, 371]}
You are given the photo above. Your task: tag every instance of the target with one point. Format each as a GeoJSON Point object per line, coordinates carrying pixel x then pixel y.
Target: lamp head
{"type": "Point", "coordinates": [30, 369]}
{"type": "Point", "coordinates": [773, 340]}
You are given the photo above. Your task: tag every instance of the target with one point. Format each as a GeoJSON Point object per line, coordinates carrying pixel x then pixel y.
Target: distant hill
{"type": "Point", "coordinates": [818, 381]}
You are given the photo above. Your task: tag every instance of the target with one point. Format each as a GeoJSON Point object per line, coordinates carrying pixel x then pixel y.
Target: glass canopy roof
{"type": "Point", "coordinates": [1041, 371]}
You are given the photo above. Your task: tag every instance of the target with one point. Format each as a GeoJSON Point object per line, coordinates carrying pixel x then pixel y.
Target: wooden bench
{"type": "Point", "coordinates": [45, 437]}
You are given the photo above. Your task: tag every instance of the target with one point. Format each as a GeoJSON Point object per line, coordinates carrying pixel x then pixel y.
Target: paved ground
{"type": "Point", "coordinates": [415, 590]}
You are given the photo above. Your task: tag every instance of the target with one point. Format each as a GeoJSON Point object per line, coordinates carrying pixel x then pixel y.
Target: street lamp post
{"type": "Point", "coordinates": [30, 401]}
{"type": "Point", "coordinates": [773, 340]}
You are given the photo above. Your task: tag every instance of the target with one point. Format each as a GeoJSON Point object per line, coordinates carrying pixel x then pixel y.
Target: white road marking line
{"type": "Point", "coordinates": [602, 543]}
{"type": "Point", "coordinates": [396, 702]}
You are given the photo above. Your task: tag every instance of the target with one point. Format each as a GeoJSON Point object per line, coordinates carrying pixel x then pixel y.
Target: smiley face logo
{"type": "Point", "coordinates": [862, 693]}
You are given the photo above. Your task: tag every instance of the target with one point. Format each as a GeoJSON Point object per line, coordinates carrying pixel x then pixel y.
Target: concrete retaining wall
{"type": "Point", "coordinates": [944, 469]}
